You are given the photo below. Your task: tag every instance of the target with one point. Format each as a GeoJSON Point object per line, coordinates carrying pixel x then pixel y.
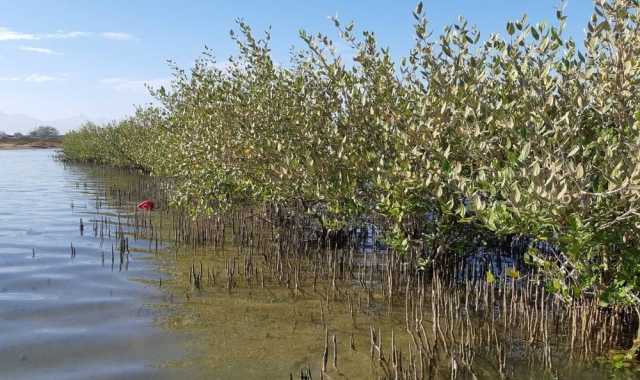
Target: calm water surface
{"type": "Point", "coordinates": [64, 318]}
{"type": "Point", "coordinates": [80, 318]}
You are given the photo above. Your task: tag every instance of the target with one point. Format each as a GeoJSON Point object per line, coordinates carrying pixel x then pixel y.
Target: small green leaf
{"type": "Point", "coordinates": [535, 33]}
{"type": "Point", "coordinates": [490, 277]}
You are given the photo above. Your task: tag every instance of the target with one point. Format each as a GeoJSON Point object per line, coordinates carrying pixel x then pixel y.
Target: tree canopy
{"type": "Point", "coordinates": [526, 135]}
{"type": "Point", "coordinates": [44, 132]}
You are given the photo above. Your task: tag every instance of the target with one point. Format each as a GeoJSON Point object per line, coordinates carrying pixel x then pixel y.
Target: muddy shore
{"type": "Point", "coordinates": [30, 144]}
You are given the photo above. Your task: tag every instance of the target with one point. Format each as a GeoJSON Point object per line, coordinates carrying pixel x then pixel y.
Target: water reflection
{"type": "Point", "coordinates": [64, 317]}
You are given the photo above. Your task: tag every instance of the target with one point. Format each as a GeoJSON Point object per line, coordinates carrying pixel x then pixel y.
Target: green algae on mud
{"type": "Point", "coordinates": [279, 317]}
{"type": "Point", "coordinates": [255, 332]}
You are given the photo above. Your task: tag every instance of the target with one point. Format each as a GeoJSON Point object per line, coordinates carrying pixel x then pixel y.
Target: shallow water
{"type": "Point", "coordinates": [81, 317]}
{"type": "Point", "coordinates": [63, 317]}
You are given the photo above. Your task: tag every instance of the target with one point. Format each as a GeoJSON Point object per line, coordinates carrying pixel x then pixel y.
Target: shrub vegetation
{"type": "Point", "coordinates": [524, 134]}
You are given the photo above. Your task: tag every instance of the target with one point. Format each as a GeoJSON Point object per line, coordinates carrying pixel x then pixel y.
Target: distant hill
{"type": "Point", "coordinates": [12, 123]}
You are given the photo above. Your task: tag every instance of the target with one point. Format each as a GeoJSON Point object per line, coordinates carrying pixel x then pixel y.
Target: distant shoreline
{"type": "Point", "coordinates": [6, 144]}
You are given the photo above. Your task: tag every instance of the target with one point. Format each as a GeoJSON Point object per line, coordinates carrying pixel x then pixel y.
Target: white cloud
{"type": "Point", "coordinates": [134, 85]}
{"type": "Point", "coordinates": [7, 34]}
{"type": "Point", "coordinates": [38, 50]}
{"type": "Point", "coordinates": [117, 36]}
{"type": "Point", "coordinates": [40, 78]}
{"type": "Point", "coordinates": [62, 35]}
{"type": "Point", "coordinates": [9, 79]}
{"type": "Point", "coordinates": [33, 78]}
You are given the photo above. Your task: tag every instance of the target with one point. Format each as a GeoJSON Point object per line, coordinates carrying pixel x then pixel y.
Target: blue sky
{"type": "Point", "coordinates": [65, 58]}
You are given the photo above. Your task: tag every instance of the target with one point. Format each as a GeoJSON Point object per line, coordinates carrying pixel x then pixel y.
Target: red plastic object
{"type": "Point", "coordinates": [146, 205]}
